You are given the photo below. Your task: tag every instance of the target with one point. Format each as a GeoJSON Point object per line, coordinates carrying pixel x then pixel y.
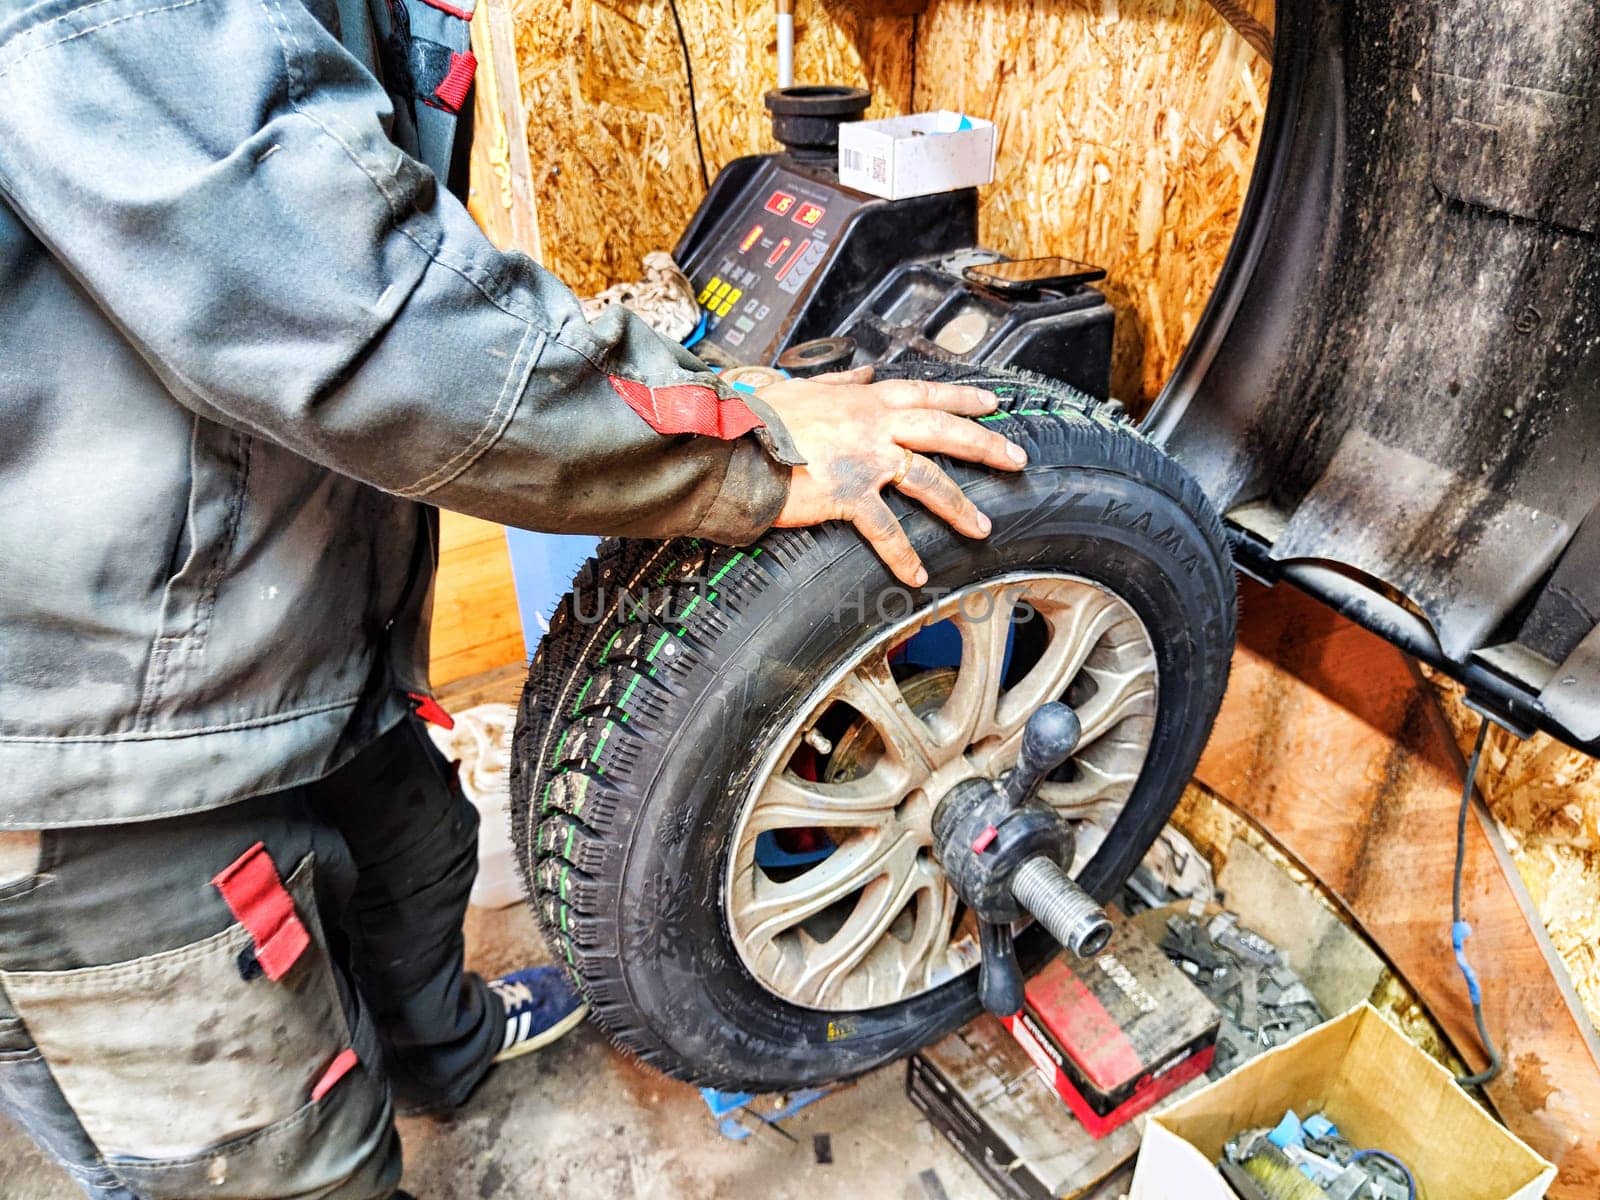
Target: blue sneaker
{"type": "Point", "coordinates": [540, 1008]}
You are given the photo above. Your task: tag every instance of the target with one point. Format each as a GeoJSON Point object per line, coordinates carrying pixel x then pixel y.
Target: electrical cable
{"type": "Point", "coordinates": [694, 107]}
{"type": "Point", "coordinates": [1385, 1156]}
{"type": "Point", "coordinates": [1460, 930]}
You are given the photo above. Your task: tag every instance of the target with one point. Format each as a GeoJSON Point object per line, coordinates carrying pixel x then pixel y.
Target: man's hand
{"type": "Point", "coordinates": [856, 436]}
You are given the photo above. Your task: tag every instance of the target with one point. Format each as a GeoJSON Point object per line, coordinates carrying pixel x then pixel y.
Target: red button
{"type": "Point", "coordinates": [778, 251]}
{"type": "Point", "coordinates": [780, 203]}
{"type": "Point", "coordinates": [810, 214]}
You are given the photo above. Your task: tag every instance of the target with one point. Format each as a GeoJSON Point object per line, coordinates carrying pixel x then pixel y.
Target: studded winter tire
{"type": "Point", "coordinates": [726, 759]}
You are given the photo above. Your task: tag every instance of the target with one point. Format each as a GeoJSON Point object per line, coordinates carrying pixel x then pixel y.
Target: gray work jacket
{"type": "Point", "coordinates": [246, 341]}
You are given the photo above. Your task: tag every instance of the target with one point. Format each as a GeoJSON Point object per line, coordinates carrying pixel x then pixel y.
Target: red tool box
{"type": "Point", "coordinates": [1115, 1033]}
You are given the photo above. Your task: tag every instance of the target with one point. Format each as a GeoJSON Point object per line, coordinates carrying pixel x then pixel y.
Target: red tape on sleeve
{"type": "Point", "coordinates": [337, 1070]}
{"type": "Point", "coordinates": [452, 89]}
{"type": "Point", "coordinates": [460, 14]}
{"type": "Point", "coordinates": [259, 901]}
{"type": "Point", "coordinates": [687, 408]}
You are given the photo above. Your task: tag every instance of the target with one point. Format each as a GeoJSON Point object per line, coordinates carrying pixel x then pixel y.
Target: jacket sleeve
{"type": "Point", "coordinates": [218, 176]}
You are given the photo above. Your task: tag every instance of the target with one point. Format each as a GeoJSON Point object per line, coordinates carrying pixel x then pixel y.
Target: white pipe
{"type": "Point", "coordinates": [785, 43]}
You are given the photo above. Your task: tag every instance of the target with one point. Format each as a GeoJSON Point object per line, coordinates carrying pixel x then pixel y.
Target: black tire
{"type": "Point", "coordinates": [649, 698]}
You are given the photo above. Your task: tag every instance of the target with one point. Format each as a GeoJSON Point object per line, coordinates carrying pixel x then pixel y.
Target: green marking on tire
{"type": "Point", "coordinates": [564, 911]}
{"type": "Point", "coordinates": [727, 566]}
{"type": "Point", "coordinates": [561, 745]}
{"type": "Point", "coordinates": [1021, 412]}
{"type": "Point", "coordinates": [583, 793]}
{"type": "Point", "coordinates": [582, 692]}
{"type": "Point", "coordinates": [660, 641]}
{"type": "Point", "coordinates": [610, 643]}
{"type": "Point", "coordinates": [628, 691]}
{"type": "Point", "coordinates": [566, 851]}
{"type": "Point", "coordinates": [600, 745]}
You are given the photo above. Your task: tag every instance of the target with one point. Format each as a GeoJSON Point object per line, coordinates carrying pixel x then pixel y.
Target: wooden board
{"type": "Point", "coordinates": [1127, 132]}
{"type": "Point", "coordinates": [500, 187]}
{"type": "Point", "coordinates": [1330, 740]}
{"type": "Point", "coordinates": [475, 623]}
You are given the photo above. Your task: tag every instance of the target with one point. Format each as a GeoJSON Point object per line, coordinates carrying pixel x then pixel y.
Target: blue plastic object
{"type": "Point", "coordinates": [542, 565]}
{"type": "Point", "coordinates": [770, 854]}
{"type": "Point", "coordinates": [728, 1108]}
{"type": "Point", "coordinates": [1459, 932]}
{"type": "Point", "coordinates": [1289, 1132]}
{"type": "Point", "coordinates": [939, 645]}
{"type": "Point", "coordinates": [1318, 1126]}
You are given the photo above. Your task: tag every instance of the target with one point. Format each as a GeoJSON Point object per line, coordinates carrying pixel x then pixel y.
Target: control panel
{"type": "Point", "coordinates": [755, 268]}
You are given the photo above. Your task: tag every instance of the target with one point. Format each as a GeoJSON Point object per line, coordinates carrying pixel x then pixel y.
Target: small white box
{"type": "Point", "coordinates": [916, 155]}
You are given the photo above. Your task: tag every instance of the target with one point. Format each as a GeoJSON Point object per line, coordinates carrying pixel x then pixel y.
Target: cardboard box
{"type": "Point", "coordinates": [1380, 1090]}
{"type": "Point", "coordinates": [916, 155]}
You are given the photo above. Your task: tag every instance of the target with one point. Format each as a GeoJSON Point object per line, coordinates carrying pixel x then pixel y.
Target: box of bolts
{"type": "Point", "coordinates": [979, 1089]}
{"type": "Point", "coordinates": [1262, 1001]}
{"type": "Point", "coordinates": [1311, 1160]}
{"type": "Point", "coordinates": [1115, 1033]}
{"type": "Point", "coordinates": [1383, 1122]}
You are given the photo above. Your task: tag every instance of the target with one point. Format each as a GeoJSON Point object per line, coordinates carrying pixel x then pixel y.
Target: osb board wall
{"type": "Point", "coordinates": [1127, 129]}
{"type": "Point", "coordinates": [615, 168]}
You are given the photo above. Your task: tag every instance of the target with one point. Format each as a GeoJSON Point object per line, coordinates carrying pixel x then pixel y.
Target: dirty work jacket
{"type": "Point", "coordinates": [245, 340]}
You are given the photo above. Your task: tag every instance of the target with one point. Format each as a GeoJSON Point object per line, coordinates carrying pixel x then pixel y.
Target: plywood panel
{"type": "Point", "coordinates": [615, 168]}
{"type": "Point", "coordinates": [1127, 131]}
{"type": "Point", "coordinates": [1332, 743]}
{"type": "Point", "coordinates": [475, 623]}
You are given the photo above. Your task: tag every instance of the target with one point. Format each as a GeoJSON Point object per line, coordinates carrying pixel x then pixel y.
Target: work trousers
{"type": "Point", "coordinates": [231, 1003]}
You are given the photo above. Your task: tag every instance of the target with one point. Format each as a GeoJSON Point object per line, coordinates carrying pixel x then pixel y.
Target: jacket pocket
{"type": "Point", "coordinates": [219, 472]}
{"type": "Point", "coordinates": [22, 861]}
{"type": "Point", "coordinates": [166, 1056]}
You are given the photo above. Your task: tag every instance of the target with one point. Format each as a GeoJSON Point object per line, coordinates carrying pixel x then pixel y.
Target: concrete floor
{"type": "Point", "coordinates": [580, 1120]}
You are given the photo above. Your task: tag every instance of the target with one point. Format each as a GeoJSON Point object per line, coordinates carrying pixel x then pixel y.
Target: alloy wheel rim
{"type": "Point", "coordinates": [871, 920]}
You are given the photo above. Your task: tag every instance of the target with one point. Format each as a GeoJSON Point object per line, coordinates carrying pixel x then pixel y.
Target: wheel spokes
{"type": "Point", "coordinates": [881, 902]}
{"type": "Point", "coordinates": [969, 711]}
{"type": "Point", "coordinates": [1121, 693]}
{"type": "Point", "coordinates": [872, 691]}
{"type": "Point", "coordinates": [1076, 628]}
{"type": "Point", "coordinates": [789, 802]}
{"type": "Point", "coordinates": [1093, 785]}
{"type": "Point", "coordinates": [872, 922]}
{"type": "Point", "coordinates": [854, 864]}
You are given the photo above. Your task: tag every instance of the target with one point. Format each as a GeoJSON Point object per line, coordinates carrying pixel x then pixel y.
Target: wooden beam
{"type": "Point", "coordinates": [1330, 741]}
{"type": "Point", "coordinates": [501, 197]}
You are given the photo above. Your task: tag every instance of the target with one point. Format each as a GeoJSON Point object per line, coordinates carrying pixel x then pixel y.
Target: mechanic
{"type": "Point", "coordinates": [247, 344]}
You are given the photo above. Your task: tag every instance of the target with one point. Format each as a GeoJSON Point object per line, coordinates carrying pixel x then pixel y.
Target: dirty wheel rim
{"type": "Point", "coordinates": [833, 897]}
